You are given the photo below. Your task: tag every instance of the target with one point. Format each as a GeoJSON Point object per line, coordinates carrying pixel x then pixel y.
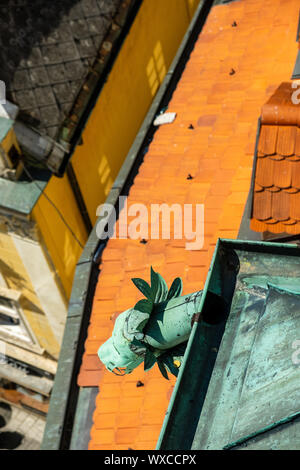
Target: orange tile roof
{"type": "Point", "coordinates": [223, 108]}
{"type": "Point", "coordinates": [276, 197]}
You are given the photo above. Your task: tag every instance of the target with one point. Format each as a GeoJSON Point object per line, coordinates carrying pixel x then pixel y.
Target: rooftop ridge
{"type": "Point", "coordinates": [283, 106]}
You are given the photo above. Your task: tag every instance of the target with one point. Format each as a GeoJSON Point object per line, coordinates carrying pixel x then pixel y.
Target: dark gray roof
{"type": "Point", "coordinates": [46, 49]}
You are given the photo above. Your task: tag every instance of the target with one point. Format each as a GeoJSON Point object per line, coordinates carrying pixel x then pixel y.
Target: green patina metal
{"type": "Point", "coordinates": [238, 386]}
{"type": "Point", "coordinates": [5, 126]}
{"type": "Point", "coordinates": [156, 329]}
{"type": "Point", "coordinates": [21, 196]}
{"type": "Point", "coordinates": [271, 427]}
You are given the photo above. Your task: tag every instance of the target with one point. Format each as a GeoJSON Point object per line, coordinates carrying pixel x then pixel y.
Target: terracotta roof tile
{"type": "Point", "coordinates": [264, 173]}
{"type": "Point", "coordinates": [295, 175]}
{"type": "Point", "coordinates": [286, 140]}
{"type": "Point", "coordinates": [274, 189]}
{"type": "Point", "coordinates": [295, 207]}
{"type": "Point", "coordinates": [277, 172]}
{"type": "Point", "coordinates": [280, 206]}
{"type": "Point", "coordinates": [258, 187]}
{"type": "Point", "coordinates": [297, 145]}
{"type": "Point", "coordinates": [267, 140]}
{"type": "Point", "coordinates": [106, 420]}
{"type": "Point", "coordinates": [282, 173]}
{"type": "Point", "coordinates": [207, 120]}
{"type": "Point", "coordinates": [93, 377]}
{"type": "Point", "coordinates": [223, 109]}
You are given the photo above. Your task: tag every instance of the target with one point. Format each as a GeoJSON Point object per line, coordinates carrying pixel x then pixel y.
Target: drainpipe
{"type": "Point", "coordinates": [41, 148]}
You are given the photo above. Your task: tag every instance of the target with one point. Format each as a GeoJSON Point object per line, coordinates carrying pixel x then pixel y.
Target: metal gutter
{"type": "Point", "coordinates": [252, 184]}
{"type": "Point", "coordinates": [195, 387]}
{"type": "Point", "coordinates": [190, 392]}
{"type": "Point", "coordinates": [68, 410]}
{"type": "Point", "coordinates": [298, 30]}
{"type": "Point", "coordinates": [245, 233]}
{"type": "Point", "coordinates": [84, 418]}
{"type": "Point", "coordinates": [296, 71]}
{"type": "Point", "coordinates": [266, 429]}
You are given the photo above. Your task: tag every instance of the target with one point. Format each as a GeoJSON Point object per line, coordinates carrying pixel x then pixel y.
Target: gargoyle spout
{"type": "Point", "coordinates": [156, 329]}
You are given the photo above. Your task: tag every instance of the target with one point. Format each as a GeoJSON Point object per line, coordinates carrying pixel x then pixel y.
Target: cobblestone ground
{"type": "Point", "coordinates": [19, 429]}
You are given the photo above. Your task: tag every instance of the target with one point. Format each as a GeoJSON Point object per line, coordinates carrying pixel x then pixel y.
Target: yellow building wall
{"type": "Point", "coordinates": [138, 72]}
{"type": "Point", "coordinates": [17, 278]}
{"type": "Point", "coordinates": [191, 6]}
{"type": "Point", "coordinates": [62, 246]}
{"type": "Point", "coordinates": [10, 140]}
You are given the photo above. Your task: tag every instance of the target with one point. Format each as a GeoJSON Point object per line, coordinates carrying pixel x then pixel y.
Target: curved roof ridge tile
{"type": "Point", "coordinates": [282, 108]}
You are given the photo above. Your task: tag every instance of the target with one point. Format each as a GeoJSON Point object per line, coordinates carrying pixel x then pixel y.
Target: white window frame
{"type": "Point", "coordinates": [29, 341]}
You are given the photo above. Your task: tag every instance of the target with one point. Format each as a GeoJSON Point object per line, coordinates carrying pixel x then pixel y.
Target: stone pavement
{"type": "Point", "coordinates": [20, 429]}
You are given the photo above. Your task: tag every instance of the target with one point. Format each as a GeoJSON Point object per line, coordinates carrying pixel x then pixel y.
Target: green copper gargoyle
{"type": "Point", "coordinates": [156, 329]}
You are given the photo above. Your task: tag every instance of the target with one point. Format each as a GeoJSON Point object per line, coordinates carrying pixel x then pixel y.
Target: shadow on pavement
{"type": "Point", "coordinates": [10, 440]}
